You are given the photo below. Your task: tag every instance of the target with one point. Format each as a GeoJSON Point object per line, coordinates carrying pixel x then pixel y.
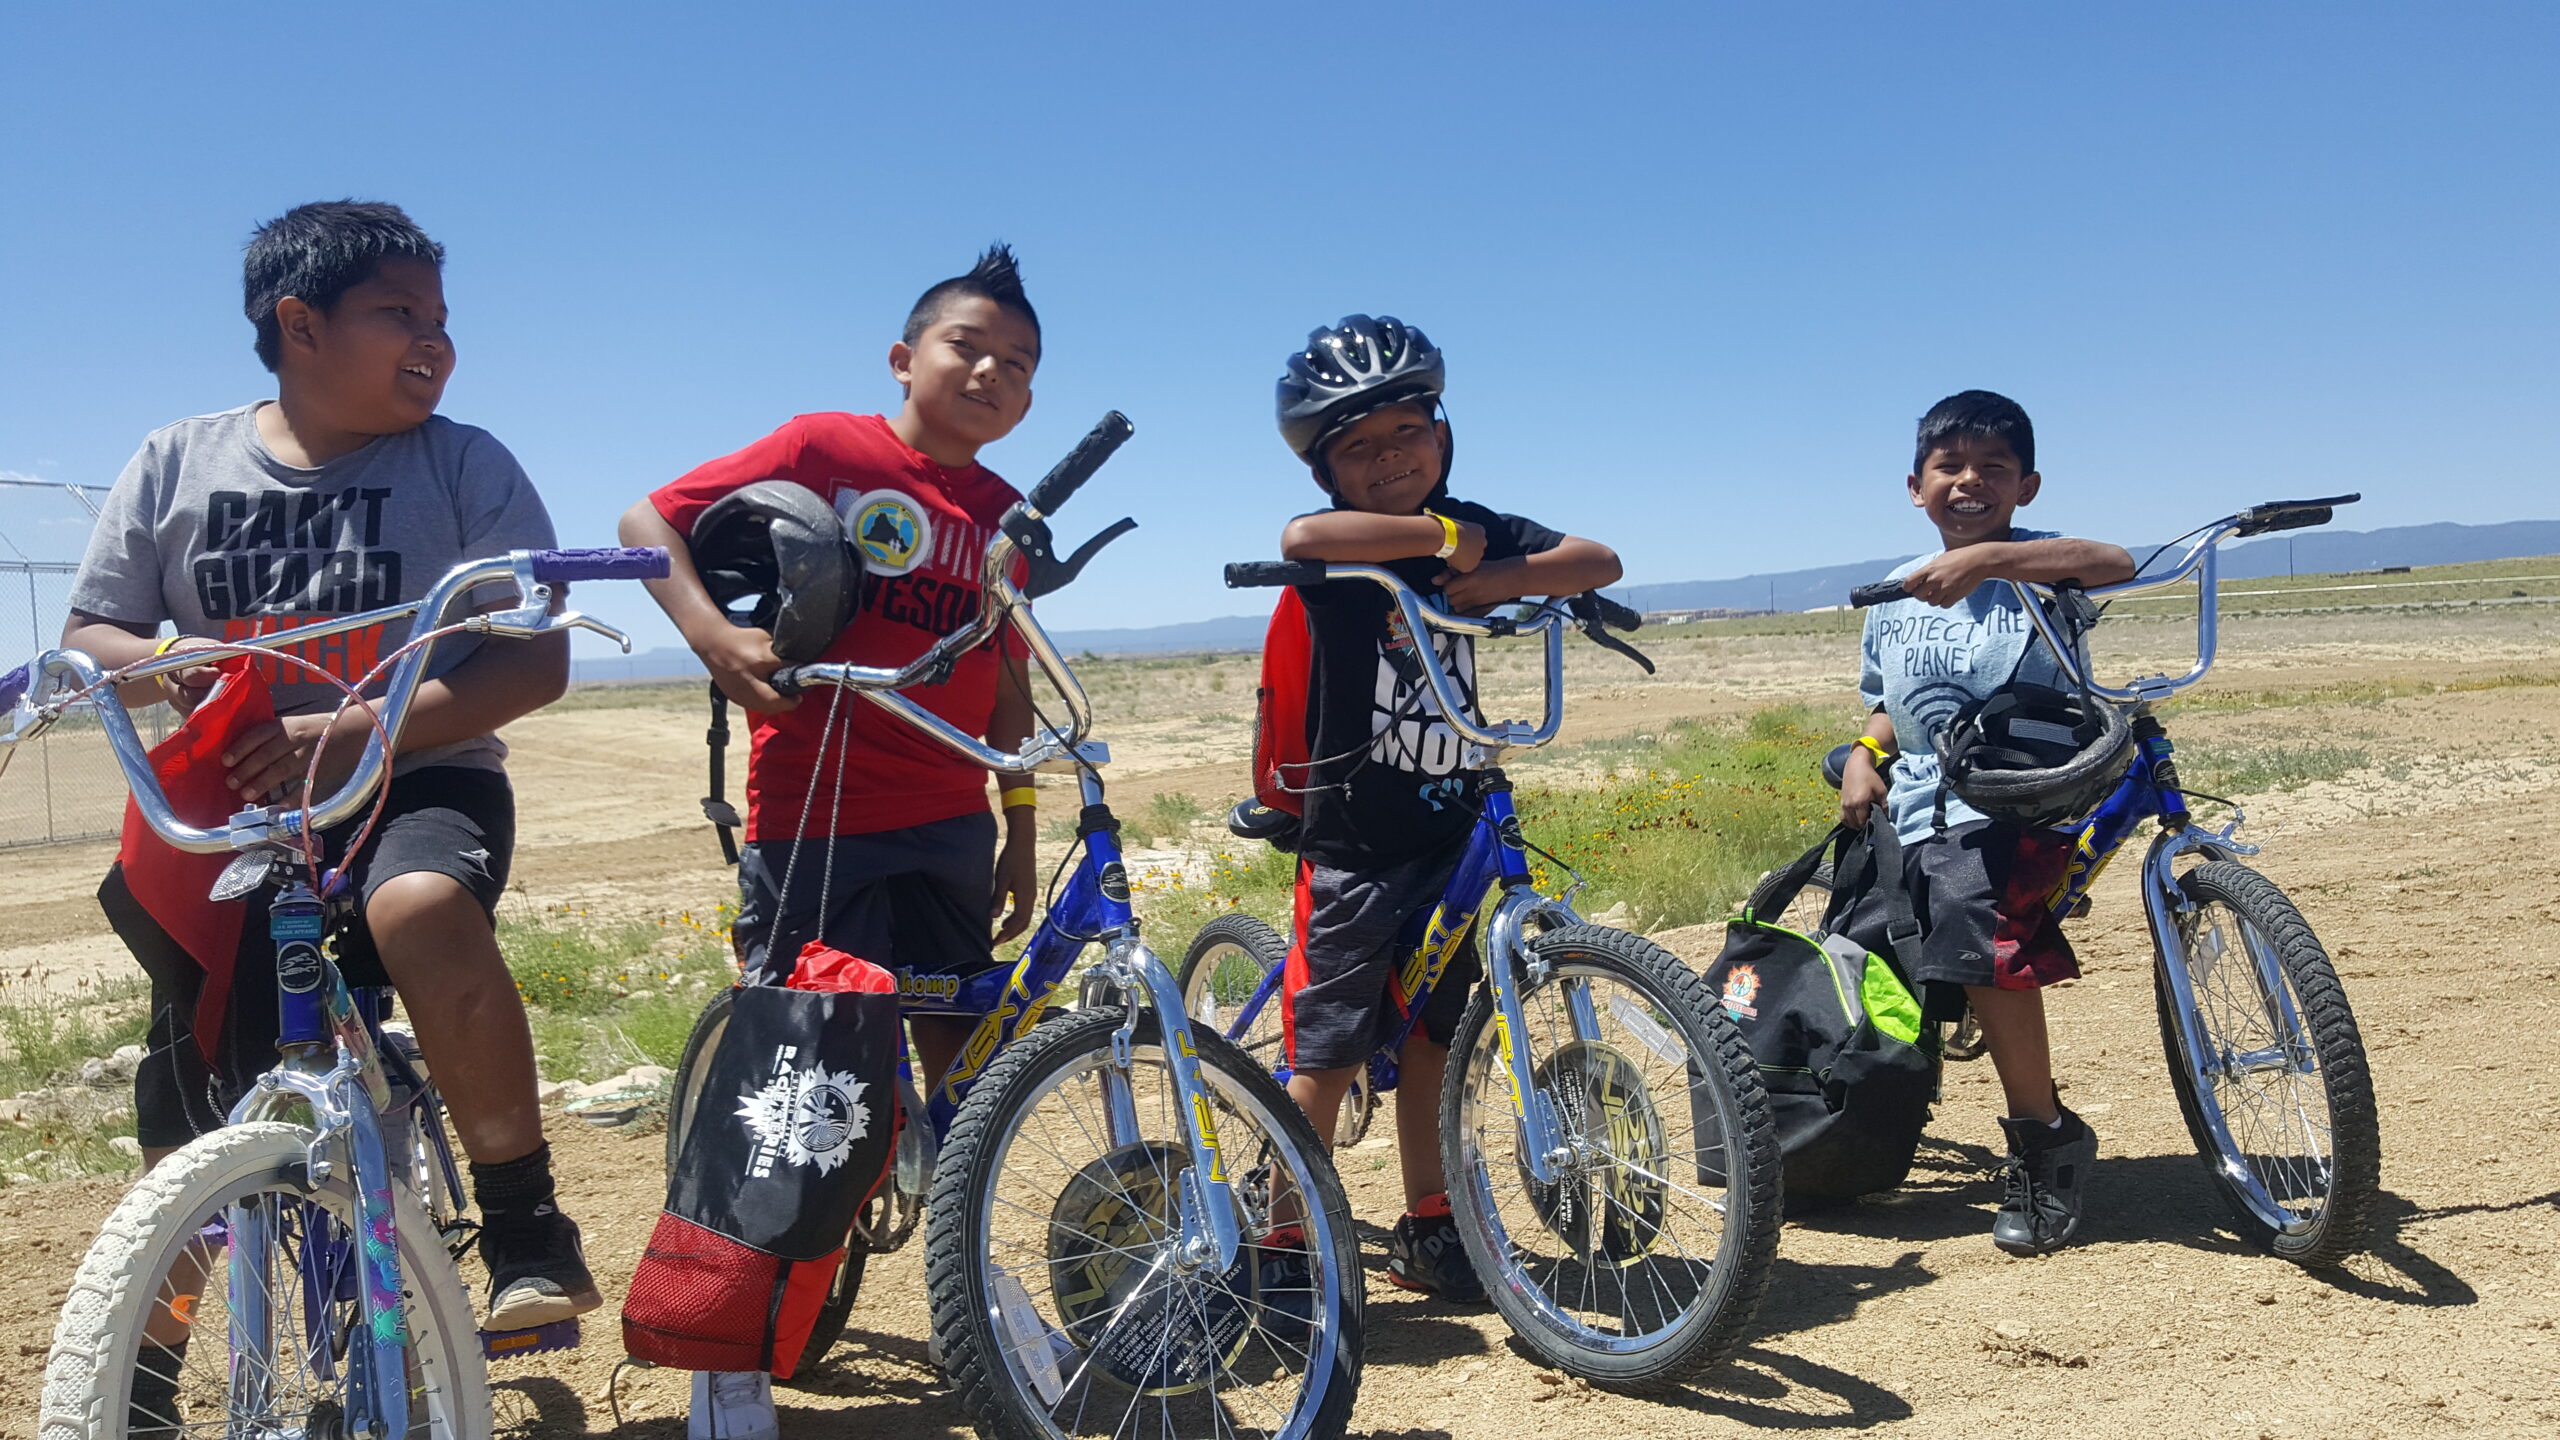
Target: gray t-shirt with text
{"type": "Point", "coordinates": [207, 530]}
{"type": "Point", "coordinates": [1923, 664]}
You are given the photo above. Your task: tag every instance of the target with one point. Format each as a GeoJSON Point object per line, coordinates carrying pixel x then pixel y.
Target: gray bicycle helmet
{"type": "Point", "coordinates": [782, 546]}
{"type": "Point", "coordinates": [2033, 755]}
{"type": "Point", "coordinates": [1358, 366]}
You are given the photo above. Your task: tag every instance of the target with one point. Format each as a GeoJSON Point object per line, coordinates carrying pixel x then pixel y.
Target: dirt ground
{"type": "Point", "coordinates": [2425, 871]}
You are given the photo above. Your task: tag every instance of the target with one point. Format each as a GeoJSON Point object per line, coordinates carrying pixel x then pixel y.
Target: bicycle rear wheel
{"type": "Point", "coordinates": [2280, 1103]}
{"type": "Point", "coordinates": [1647, 1258]}
{"type": "Point", "coordinates": [1221, 972]}
{"type": "Point", "coordinates": [1060, 1299]}
{"type": "Point", "coordinates": [237, 1206]}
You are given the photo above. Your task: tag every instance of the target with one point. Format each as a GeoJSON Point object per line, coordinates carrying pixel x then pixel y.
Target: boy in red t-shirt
{"type": "Point", "coordinates": [892, 829]}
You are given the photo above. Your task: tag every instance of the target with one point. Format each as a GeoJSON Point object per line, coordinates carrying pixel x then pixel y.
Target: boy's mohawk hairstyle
{"type": "Point", "coordinates": [995, 277]}
{"type": "Point", "coordinates": [1977, 414]}
{"type": "Point", "coordinates": [317, 253]}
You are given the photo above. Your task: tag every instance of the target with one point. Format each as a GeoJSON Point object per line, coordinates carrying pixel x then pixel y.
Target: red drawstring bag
{"type": "Point", "coordinates": [173, 886]}
{"type": "Point", "coordinates": [793, 1129]}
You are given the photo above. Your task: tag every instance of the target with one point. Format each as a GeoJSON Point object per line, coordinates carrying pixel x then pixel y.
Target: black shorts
{"type": "Point", "coordinates": [1342, 987]}
{"type": "Point", "coordinates": [442, 820]}
{"type": "Point", "coordinates": [1980, 891]}
{"type": "Point", "coordinates": [913, 900]}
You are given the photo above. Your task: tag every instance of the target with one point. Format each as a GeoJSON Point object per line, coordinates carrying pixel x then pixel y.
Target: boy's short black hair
{"type": "Point", "coordinates": [1977, 414]}
{"type": "Point", "coordinates": [995, 277]}
{"type": "Point", "coordinates": [317, 253]}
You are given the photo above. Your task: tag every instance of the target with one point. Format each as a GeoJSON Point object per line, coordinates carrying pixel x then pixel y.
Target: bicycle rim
{"type": "Point", "coordinates": [1076, 1317]}
{"type": "Point", "coordinates": [233, 1215]}
{"type": "Point", "coordinates": [1644, 1260]}
{"type": "Point", "coordinates": [2262, 1096]}
{"type": "Point", "coordinates": [1226, 965]}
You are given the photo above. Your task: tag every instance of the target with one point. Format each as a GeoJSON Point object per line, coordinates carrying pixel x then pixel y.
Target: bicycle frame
{"type": "Point", "coordinates": [1093, 908]}
{"type": "Point", "coordinates": [1495, 854]}
{"type": "Point", "coordinates": [330, 1059]}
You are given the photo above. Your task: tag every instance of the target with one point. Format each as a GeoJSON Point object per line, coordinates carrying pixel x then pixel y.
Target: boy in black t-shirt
{"type": "Point", "coordinates": [1388, 802]}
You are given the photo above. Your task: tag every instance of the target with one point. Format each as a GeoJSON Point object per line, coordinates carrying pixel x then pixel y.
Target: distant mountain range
{"type": "Point", "coordinates": [2307, 552]}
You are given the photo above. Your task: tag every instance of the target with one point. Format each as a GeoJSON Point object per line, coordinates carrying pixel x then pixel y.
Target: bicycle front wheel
{"type": "Point", "coordinates": [2275, 1088]}
{"type": "Point", "coordinates": [1644, 1261]}
{"type": "Point", "coordinates": [225, 1286]}
{"type": "Point", "coordinates": [1061, 1298]}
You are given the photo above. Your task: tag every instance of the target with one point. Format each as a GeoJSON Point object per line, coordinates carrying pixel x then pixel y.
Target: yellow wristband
{"type": "Point", "coordinates": [163, 647]}
{"type": "Point", "coordinates": [1448, 535]}
{"type": "Point", "coordinates": [1875, 747]}
{"type": "Point", "coordinates": [1020, 797]}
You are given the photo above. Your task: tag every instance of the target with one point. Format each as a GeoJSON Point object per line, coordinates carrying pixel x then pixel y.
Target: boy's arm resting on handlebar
{"type": "Point", "coordinates": [1355, 537]}
{"type": "Point", "coordinates": [1947, 578]}
{"type": "Point", "coordinates": [1018, 863]}
{"type": "Point", "coordinates": [115, 644]}
{"type": "Point", "coordinates": [1862, 785]}
{"type": "Point", "coordinates": [1571, 567]}
{"type": "Point", "coordinates": [741, 660]}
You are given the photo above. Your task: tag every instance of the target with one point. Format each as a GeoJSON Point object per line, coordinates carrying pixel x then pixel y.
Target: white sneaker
{"type": "Point", "coordinates": [732, 1405]}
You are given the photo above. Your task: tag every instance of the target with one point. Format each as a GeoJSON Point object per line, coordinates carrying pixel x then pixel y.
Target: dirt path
{"type": "Point", "coordinates": [2426, 873]}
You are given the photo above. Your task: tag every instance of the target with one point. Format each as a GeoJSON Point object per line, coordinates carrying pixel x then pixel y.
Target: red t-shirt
{"type": "Point", "coordinates": [921, 530]}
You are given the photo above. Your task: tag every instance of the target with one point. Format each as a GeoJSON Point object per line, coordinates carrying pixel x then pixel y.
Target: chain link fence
{"type": "Point", "coordinates": [64, 784]}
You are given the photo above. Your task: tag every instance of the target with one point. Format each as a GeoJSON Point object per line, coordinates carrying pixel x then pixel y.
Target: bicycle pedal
{"type": "Point", "coordinates": [508, 1344]}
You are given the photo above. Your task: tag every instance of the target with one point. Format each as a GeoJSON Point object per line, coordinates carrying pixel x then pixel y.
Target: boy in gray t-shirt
{"type": "Point", "coordinates": [1976, 883]}
{"type": "Point", "coordinates": [347, 493]}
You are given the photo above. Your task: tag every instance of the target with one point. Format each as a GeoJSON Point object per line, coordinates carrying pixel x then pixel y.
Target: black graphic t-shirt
{"type": "Point", "coordinates": [209, 531]}
{"type": "Point", "coordinates": [1388, 783]}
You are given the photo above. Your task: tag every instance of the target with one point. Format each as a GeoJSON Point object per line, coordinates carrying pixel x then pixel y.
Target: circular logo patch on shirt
{"type": "Point", "coordinates": [891, 530]}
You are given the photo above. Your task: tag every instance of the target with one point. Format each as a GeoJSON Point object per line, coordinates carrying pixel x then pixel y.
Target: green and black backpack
{"type": "Point", "coordinates": [1834, 1026]}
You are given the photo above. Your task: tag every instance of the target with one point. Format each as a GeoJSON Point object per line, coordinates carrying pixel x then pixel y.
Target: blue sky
{"type": "Point", "coordinates": [1697, 268]}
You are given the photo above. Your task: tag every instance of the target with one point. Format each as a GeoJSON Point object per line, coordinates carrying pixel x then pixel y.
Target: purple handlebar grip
{"type": "Point", "coordinates": [646, 562]}
{"type": "Point", "coordinates": [15, 683]}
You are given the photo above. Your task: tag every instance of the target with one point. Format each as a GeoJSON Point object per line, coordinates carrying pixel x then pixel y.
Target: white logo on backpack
{"type": "Point", "coordinates": [806, 1116]}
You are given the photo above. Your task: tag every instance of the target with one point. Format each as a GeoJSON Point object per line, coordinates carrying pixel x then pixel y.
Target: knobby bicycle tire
{"type": "Point", "coordinates": [98, 1339]}
{"type": "Point", "coordinates": [968, 1187]}
{"type": "Point", "coordinates": [1268, 950]}
{"type": "Point", "coordinates": [1719, 1075]}
{"type": "Point", "coordinates": [2353, 1177]}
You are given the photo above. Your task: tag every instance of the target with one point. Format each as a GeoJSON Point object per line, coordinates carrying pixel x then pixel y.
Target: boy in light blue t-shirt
{"type": "Point", "coordinates": [1977, 884]}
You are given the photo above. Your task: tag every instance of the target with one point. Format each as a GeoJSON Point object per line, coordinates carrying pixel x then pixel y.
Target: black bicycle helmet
{"type": "Point", "coordinates": [784, 546]}
{"type": "Point", "coordinates": [2033, 755]}
{"type": "Point", "coordinates": [1358, 366]}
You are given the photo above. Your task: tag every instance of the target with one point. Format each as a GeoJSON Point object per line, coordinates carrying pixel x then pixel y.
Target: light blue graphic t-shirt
{"type": "Point", "coordinates": [1923, 664]}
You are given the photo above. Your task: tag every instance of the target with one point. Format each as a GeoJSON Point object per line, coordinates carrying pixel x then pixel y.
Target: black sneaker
{"type": "Point", "coordinates": [537, 1271]}
{"type": "Point", "coordinates": [2041, 1185]}
{"type": "Point", "coordinates": [1425, 1254]}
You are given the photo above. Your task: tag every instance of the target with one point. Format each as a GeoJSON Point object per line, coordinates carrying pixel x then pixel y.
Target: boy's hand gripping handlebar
{"type": "Point", "coordinates": [2038, 599]}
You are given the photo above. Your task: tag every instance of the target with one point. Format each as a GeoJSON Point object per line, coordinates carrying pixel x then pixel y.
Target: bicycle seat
{"type": "Point", "coordinates": [1253, 820]}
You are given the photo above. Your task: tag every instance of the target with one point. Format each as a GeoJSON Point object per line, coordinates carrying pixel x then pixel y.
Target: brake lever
{"type": "Point", "coordinates": [1047, 573]}
{"type": "Point", "coordinates": [1601, 637]}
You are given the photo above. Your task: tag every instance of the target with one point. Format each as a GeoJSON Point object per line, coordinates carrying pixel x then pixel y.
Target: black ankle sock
{"type": "Point", "coordinates": [514, 1191]}
{"type": "Point", "coordinates": [152, 1408]}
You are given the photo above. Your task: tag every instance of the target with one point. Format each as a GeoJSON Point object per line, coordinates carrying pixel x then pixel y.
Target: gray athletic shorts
{"type": "Point", "coordinates": [1340, 992]}
{"type": "Point", "coordinates": [913, 900]}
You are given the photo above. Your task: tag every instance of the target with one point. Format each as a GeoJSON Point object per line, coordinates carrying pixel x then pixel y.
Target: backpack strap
{"type": "Point", "coordinates": [1781, 889]}
{"type": "Point", "coordinates": [1886, 880]}
{"type": "Point", "coordinates": [715, 806]}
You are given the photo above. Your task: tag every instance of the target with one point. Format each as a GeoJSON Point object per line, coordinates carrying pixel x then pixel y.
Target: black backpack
{"type": "Point", "coordinates": [1834, 1026]}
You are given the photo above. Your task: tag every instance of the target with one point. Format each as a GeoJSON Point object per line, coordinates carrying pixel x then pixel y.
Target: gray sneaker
{"type": "Point", "coordinates": [2041, 1186]}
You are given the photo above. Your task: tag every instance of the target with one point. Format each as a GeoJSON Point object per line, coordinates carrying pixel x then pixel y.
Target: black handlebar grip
{"type": "Point", "coordinates": [1067, 476]}
{"type": "Point", "coordinates": [1617, 616]}
{"type": "Point", "coordinates": [2276, 515]}
{"type": "Point", "coordinates": [1252, 574]}
{"type": "Point", "coordinates": [1878, 593]}
{"type": "Point", "coordinates": [639, 562]}
{"type": "Point", "coordinates": [15, 683]}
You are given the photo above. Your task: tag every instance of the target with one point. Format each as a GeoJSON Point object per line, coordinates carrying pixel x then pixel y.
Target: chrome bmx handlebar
{"type": "Point", "coordinates": [67, 676]}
